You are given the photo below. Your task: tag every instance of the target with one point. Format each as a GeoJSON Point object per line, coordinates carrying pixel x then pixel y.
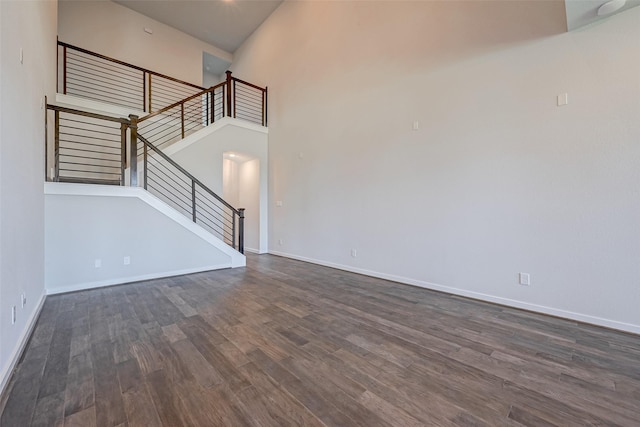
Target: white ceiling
{"type": "Point", "coordinates": [585, 12]}
{"type": "Point", "coordinates": [224, 24]}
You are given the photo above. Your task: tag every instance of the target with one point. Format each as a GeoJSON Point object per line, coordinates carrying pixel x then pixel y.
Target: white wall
{"type": "Point", "coordinates": [249, 199]}
{"type": "Point", "coordinates": [241, 188]}
{"type": "Point", "coordinates": [230, 182]}
{"type": "Point", "coordinates": [116, 31]}
{"type": "Point", "coordinates": [31, 26]}
{"type": "Point", "coordinates": [87, 222]}
{"type": "Point", "coordinates": [202, 155]}
{"type": "Point", "coordinates": [498, 179]}
{"type": "Point", "coordinates": [209, 79]}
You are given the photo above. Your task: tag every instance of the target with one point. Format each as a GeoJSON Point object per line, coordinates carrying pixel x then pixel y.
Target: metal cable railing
{"type": "Point", "coordinates": [101, 78]}
{"type": "Point", "coordinates": [171, 183]}
{"type": "Point", "coordinates": [184, 117]}
{"type": "Point", "coordinates": [88, 147]}
{"type": "Point", "coordinates": [246, 101]}
{"type": "Point", "coordinates": [91, 75]}
{"type": "Point", "coordinates": [92, 148]}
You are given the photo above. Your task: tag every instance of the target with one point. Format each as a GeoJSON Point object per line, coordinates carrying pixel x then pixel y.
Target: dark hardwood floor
{"type": "Point", "coordinates": [285, 343]}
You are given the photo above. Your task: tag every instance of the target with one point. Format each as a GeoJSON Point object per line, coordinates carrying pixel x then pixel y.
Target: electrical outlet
{"type": "Point", "coordinates": [98, 263]}
{"type": "Point", "coordinates": [13, 315]}
{"type": "Point", "coordinates": [280, 241]}
{"type": "Point", "coordinates": [127, 260]}
{"type": "Point", "coordinates": [524, 279]}
{"type": "Point", "coordinates": [563, 99]}
{"type": "Point", "coordinates": [354, 253]}
{"type": "Point", "coordinates": [279, 203]}
{"type": "Point", "coordinates": [23, 299]}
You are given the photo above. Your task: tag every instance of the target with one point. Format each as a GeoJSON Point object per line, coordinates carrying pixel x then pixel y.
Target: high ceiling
{"type": "Point", "coordinates": [228, 23]}
{"type": "Point", "coordinates": [224, 24]}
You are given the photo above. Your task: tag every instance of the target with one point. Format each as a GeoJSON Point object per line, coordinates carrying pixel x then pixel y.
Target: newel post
{"type": "Point", "coordinates": [133, 143]}
{"type": "Point", "coordinates": [264, 106]}
{"type": "Point", "coordinates": [241, 230]}
{"type": "Point", "coordinates": [228, 93]}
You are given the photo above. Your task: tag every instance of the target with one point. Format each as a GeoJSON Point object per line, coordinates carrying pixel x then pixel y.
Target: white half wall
{"type": "Point", "coordinates": [496, 180]}
{"type": "Point", "coordinates": [85, 223]}
{"type": "Point", "coordinates": [202, 154]}
{"type": "Point", "coordinates": [25, 79]}
{"type": "Point", "coordinates": [113, 30]}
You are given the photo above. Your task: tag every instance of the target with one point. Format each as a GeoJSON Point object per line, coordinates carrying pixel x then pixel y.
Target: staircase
{"type": "Point", "coordinates": [85, 146]}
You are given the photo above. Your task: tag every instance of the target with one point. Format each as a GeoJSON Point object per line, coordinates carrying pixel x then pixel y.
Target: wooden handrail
{"type": "Point", "coordinates": [126, 64]}
{"type": "Point", "coordinates": [248, 84]}
{"type": "Point", "coordinates": [182, 101]}
{"type": "Point", "coordinates": [87, 114]}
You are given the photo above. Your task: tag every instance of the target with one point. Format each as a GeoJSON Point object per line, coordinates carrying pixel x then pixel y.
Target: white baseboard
{"type": "Point", "coordinates": [584, 318]}
{"type": "Point", "coordinates": [255, 251]}
{"type": "Point", "coordinates": [7, 371]}
{"type": "Point", "coordinates": [131, 279]}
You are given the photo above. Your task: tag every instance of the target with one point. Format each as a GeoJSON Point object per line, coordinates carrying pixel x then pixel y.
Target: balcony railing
{"type": "Point", "coordinates": [94, 76]}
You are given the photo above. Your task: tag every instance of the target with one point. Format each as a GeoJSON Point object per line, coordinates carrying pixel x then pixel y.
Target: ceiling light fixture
{"type": "Point", "coordinates": [232, 155]}
{"type": "Point", "coordinates": [612, 6]}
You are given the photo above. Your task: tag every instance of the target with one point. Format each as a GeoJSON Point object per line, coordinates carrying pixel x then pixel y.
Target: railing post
{"type": "Point", "coordinates": [56, 147]}
{"type": "Point", "coordinates": [150, 109]}
{"type": "Point", "coordinates": [144, 166]}
{"type": "Point", "coordinates": [46, 140]}
{"type": "Point", "coordinates": [57, 65]}
{"type": "Point", "coordinates": [241, 230]}
{"type": "Point", "coordinates": [234, 98]}
{"type": "Point", "coordinates": [213, 106]}
{"type": "Point", "coordinates": [182, 118]}
{"type": "Point", "coordinates": [193, 200]}
{"type": "Point", "coordinates": [144, 92]}
{"type": "Point", "coordinates": [228, 93]}
{"type": "Point", "coordinates": [64, 69]}
{"type": "Point", "coordinates": [123, 151]}
{"type": "Point", "coordinates": [233, 230]}
{"type": "Point", "coordinates": [264, 106]}
{"type": "Point", "coordinates": [133, 158]}
{"type": "Point", "coordinates": [207, 123]}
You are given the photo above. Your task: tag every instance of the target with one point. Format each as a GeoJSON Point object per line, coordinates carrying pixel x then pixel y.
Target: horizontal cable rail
{"type": "Point", "coordinates": [88, 147]}
{"type": "Point", "coordinates": [184, 117]}
{"type": "Point", "coordinates": [247, 101]}
{"type": "Point", "coordinates": [99, 149]}
{"type": "Point", "coordinates": [99, 77]}
{"type": "Point", "coordinates": [91, 75]}
{"type": "Point", "coordinates": [168, 181]}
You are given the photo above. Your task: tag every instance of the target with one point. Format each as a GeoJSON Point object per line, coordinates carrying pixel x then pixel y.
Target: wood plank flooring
{"type": "Point", "coordinates": [285, 343]}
